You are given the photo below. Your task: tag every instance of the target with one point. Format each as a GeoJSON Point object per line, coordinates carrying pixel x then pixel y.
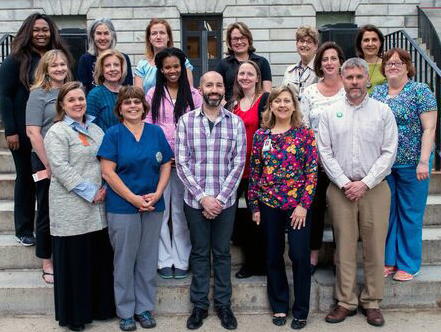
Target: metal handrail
{"type": "Point", "coordinates": [5, 42]}
{"type": "Point", "coordinates": [426, 71]}
{"type": "Point", "coordinates": [429, 36]}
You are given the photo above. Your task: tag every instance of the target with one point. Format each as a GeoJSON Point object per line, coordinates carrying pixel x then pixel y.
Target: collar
{"type": "Point", "coordinates": [251, 56]}
{"type": "Point", "coordinates": [298, 65]}
{"type": "Point", "coordinates": [223, 112]}
{"type": "Point", "coordinates": [361, 105]}
{"type": "Point", "coordinates": [76, 126]}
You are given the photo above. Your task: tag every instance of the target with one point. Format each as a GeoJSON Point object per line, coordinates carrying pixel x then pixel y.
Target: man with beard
{"type": "Point", "coordinates": [210, 152]}
{"type": "Point", "coordinates": [357, 143]}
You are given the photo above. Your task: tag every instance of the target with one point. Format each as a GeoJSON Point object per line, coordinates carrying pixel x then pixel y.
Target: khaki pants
{"type": "Point", "coordinates": [366, 219]}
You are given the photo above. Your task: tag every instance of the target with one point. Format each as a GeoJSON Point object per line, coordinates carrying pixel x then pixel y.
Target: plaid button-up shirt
{"type": "Point", "coordinates": [210, 163]}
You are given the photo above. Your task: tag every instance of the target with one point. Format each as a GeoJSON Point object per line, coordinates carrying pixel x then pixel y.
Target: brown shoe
{"type": "Point", "coordinates": [339, 314]}
{"type": "Point", "coordinates": [374, 317]}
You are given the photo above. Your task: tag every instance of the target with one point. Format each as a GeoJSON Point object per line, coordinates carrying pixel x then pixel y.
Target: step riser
{"type": "Point", "coordinates": [6, 163]}
{"type": "Point", "coordinates": [248, 297]}
{"type": "Point", "coordinates": [7, 189]}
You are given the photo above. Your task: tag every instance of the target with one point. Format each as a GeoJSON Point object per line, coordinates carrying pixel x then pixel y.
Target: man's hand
{"type": "Point", "coordinates": [212, 207]}
{"type": "Point", "coordinates": [13, 142]}
{"type": "Point", "coordinates": [355, 190]}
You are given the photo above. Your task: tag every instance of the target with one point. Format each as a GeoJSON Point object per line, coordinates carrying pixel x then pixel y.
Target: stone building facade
{"type": "Point", "coordinates": [273, 22]}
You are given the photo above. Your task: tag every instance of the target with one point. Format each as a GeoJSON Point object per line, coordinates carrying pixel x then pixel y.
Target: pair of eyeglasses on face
{"type": "Point", "coordinates": [305, 41]}
{"type": "Point", "coordinates": [128, 102]}
{"type": "Point", "coordinates": [397, 65]}
{"type": "Point", "coordinates": [239, 39]}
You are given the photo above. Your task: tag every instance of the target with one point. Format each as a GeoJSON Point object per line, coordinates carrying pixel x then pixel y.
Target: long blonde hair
{"type": "Point", "coordinates": [268, 118]}
{"type": "Point", "coordinates": [41, 76]}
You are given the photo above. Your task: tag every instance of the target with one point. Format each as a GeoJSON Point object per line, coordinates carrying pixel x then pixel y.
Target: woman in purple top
{"type": "Point", "coordinates": [172, 97]}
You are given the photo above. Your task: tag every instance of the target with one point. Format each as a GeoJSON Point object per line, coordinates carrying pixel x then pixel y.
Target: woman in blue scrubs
{"type": "Point", "coordinates": [135, 162]}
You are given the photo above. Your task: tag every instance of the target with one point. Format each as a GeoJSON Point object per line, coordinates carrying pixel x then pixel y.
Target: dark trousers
{"type": "Point", "coordinates": [248, 235]}
{"type": "Point", "coordinates": [275, 223]}
{"type": "Point", "coordinates": [42, 229]}
{"type": "Point", "coordinates": [317, 210]}
{"type": "Point", "coordinates": [210, 235]}
{"type": "Point", "coordinates": [24, 191]}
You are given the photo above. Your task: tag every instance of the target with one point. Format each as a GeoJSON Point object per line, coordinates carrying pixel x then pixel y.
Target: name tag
{"type": "Point", "coordinates": [267, 145]}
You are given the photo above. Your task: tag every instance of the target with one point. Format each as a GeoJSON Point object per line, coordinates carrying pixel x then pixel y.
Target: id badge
{"type": "Point", "coordinates": [267, 145]}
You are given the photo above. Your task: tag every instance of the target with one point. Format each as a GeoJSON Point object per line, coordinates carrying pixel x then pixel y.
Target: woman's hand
{"type": "Point", "coordinates": [151, 200]}
{"type": "Point", "coordinates": [140, 203]}
{"type": "Point", "coordinates": [298, 217]}
{"type": "Point", "coordinates": [100, 195]}
{"type": "Point", "coordinates": [422, 171]}
{"type": "Point", "coordinates": [256, 217]}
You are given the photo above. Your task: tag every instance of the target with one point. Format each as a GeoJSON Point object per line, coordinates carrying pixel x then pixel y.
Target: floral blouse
{"type": "Point", "coordinates": [413, 100]}
{"type": "Point", "coordinates": [284, 174]}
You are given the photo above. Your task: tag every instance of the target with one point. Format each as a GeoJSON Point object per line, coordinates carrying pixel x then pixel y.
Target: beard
{"type": "Point", "coordinates": [213, 102]}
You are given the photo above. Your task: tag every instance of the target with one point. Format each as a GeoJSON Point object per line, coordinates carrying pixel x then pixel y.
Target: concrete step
{"type": "Point", "coordinates": [7, 186]}
{"type": "Point", "coordinates": [24, 292]}
{"type": "Point", "coordinates": [15, 256]}
{"type": "Point", "coordinates": [435, 183]}
{"type": "Point", "coordinates": [3, 144]}
{"type": "Point", "coordinates": [6, 162]}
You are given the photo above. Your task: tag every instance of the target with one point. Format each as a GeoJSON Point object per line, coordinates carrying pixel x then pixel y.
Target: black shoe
{"type": "Point", "coordinates": [73, 327]}
{"type": "Point", "coordinates": [243, 273]}
{"type": "Point", "coordinates": [298, 324]}
{"type": "Point", "coordinates": [196, 318]}
{"type": "Point", "coordinates": [26, 241]}
{"type": "Point", "coordinates": [226, 316]}
{"type": "Point", "coordinates": [279, 321]}
{"type": "Point", "coordinates": [313, 268]}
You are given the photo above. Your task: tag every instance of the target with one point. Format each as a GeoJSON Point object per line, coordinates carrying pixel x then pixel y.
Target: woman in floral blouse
{"type": "Point", "coordinates": [415, 110]}
{"type": "Point", "coordinates": [283, 175]}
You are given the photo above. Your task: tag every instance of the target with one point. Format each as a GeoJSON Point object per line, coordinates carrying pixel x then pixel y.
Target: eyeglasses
{"type": "Point", "coordinates": [235, 40]}
{"type": "Point", "coordinates": [128, 102]}
{"type": "Point", "coordinates": [397, 65]}
{"type": "Point", "coordinates": [305, 41]}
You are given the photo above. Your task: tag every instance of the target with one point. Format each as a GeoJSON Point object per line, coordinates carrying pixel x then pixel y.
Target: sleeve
{"type": "Point", "coordinates": [305, 107]}
{"type": "Point", "coordinates": [148, 98]}
{"type": "Point", "coordinates": [167, 152]}
{"type": "Point", "coordinates": [285, 79]}
{"type": "Point", "coordinates": [9, 83]}
{"type": "Point", "coordinates": [109, 146]}
{"type": "Point", "coordinates": [35, 109]}
{"type": "Point", "coordinates": [85, 74]}
{"type": "Point", "coordinates": [57, 145]}
{"type": "Point", "coordinates": [188, 65]}
{"type": "Point", "coordinates": [93, 104]}
{"type": "Point", "coordinates": [330, 164]}
{"type": "Point", "coordinates": [384, 162]}
{"type": "Point", "coordinates": [221, 70]}
{"type": "Point", "coordinates": [425, 99]}
{"type": "Point", "coordinates": [309, 169]}
{"type": "Point", "coordinates": [237, 164]}
{"type": "Point", "coordinates": [140, 68]}
{"type": "Point", "coordinates": [129, 76]}
{"type": "Point", "coordinates": [182, 157]}
{"type": "Point", "coordinates": [266, 70]}
{"type": "Point", "coordinates": [255, 173]}
{"type": "Point", "coordinates": [86, 190]}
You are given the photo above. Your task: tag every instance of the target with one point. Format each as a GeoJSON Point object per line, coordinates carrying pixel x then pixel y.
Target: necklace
{"type": "Point", "coordinates": [369, 83]}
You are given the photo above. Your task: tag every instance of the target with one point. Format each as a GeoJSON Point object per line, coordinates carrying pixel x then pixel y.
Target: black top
{"type": "Point", "coordinates": [14, 96]}
{"type": "Point", "coordinates": [228, 69]}
{"type": "Point", "coordinates": [86, 66]}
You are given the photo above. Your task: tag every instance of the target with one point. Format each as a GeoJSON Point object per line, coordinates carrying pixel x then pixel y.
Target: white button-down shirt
{"type": "Point", "coordinates": [300, 78]}
{"type": "Point", "coordinates": [357, 142]}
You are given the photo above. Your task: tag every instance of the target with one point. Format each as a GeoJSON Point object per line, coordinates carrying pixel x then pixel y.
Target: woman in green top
{"type": "Point", "coordinates": [369, 46]}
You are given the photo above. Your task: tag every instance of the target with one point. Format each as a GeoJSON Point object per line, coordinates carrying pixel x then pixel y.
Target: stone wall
{"type": "Point", "coordinates": [273, 22]}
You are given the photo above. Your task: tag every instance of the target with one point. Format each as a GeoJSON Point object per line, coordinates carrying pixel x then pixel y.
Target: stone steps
{"type": "Point", "coordinates": [16, 256]}
{"type": "Point", "coordinates": [24, 292]}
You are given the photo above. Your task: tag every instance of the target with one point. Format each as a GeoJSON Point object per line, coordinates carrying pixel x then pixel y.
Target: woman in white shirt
{"type": "Point", "coordinates": [315, 100]}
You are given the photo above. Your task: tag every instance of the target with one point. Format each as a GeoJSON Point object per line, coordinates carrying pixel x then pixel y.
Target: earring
{"type": "Point", "coordinates": [47, 78]}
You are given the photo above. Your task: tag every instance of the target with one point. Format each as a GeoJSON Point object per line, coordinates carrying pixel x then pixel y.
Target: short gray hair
{"type": "Point", "coordinates": [355, 62]}
{"type": "Point", "coordinates": [90, 34]}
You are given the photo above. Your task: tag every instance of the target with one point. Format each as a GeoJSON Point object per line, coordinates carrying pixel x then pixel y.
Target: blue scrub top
{"type": "Point", "coordinates": [137, 163]}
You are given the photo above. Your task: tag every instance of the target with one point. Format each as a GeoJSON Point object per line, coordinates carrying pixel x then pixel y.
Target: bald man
{"type": "Point", "coordinates": [210, 147]}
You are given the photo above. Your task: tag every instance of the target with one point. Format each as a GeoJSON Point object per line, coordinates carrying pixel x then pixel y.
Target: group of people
{"type": "Point", "coordinates": [141, 175]}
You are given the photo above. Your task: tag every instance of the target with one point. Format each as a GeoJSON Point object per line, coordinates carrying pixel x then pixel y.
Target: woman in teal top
{"type": "Point", "coordinates": [415, 110]}
{"type": "Point", "coordinates": [158, 36]}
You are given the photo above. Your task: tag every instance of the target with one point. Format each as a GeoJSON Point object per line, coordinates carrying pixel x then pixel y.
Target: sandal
{"type": "Point", "coordinates": [388, 270]}
{"type": "Point", "coordinates": [279, 320]}
{"type": "Point", "coordinates": [403, 276]}
{"type": "Point", "coordinates": [51, 276]}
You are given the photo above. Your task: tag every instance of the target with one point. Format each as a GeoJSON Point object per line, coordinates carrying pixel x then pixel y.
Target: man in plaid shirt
{"type": "Point", "coordinates": [210, 147]}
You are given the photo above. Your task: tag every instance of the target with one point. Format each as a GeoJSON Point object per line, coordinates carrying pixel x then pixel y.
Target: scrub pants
{"type": "Point", "coordinates": [408, 202]}
{"type": "Point", "coordinates": [135, 239]}
{"type": "Point", "coordinates": [174, 249]}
